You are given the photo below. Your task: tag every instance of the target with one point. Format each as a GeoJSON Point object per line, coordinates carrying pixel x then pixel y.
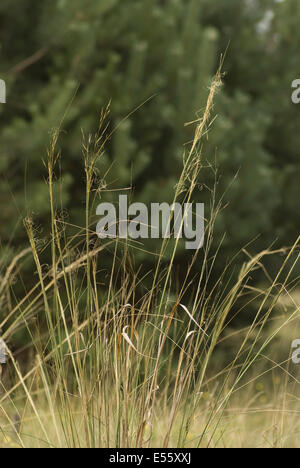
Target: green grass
{"type": "Point", "coordinates": [109, 366]}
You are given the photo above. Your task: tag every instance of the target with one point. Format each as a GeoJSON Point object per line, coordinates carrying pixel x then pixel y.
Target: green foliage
{"type": "Point", "coordinates": [163, 54]}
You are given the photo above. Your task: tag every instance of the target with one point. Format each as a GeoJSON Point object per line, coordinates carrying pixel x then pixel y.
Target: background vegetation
{"type": "Point", "coordinates": [125, 344]}
{"type": "Point", "coordinates": [165, 52]}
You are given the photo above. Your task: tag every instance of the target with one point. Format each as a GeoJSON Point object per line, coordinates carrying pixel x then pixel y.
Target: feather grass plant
{"type": "Point", "coordinates": [113, 368]}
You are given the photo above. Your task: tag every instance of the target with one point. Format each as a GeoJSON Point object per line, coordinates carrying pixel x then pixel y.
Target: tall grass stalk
{"type": "Point", "coordinates": [109, 366]}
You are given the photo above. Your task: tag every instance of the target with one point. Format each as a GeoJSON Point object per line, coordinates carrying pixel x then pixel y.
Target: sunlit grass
{"type": "Point", "coordinates": [111, 366]}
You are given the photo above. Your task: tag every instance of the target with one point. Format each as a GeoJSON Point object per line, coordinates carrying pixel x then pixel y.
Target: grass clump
{"type": "Point", "coordinates": [110, 364]}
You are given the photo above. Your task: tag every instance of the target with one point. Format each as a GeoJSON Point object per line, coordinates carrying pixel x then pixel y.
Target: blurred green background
{"type": "Point", "coordinates": [128, 51]}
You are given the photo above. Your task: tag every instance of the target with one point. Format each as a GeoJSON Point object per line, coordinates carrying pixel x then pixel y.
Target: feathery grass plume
{"type": "Point", "coordinates": [115, 364]}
